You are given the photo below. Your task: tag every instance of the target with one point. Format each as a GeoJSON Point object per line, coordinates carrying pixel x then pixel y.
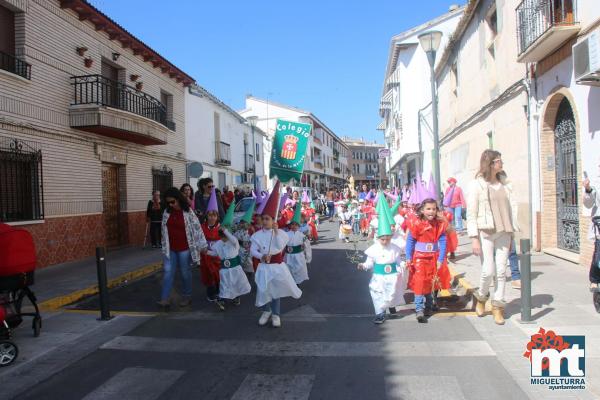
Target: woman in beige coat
{"type": "Point", "coordinates": [491, 223]}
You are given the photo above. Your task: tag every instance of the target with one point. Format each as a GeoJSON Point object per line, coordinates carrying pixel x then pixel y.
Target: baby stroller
{"type": "Point", "coordinates": [595, 267]}
{"type": "Point", "coordinates": [17, 265]}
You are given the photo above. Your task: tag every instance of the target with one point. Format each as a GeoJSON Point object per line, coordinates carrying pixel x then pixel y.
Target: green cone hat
{"type": "Point", "coordinates": [386, 210]}
{"type": "Point", "coordinates": [228, 218]}
{"type": "Point", "coordinates": [249, 213]}
{"type": "Point", "coordinates": [383, 226]}
{"type": "Point", "coordinates": [312, 204]}
{"type": "Point", "coordinates": [297, 214]}
{"type": "Point", "coordinates": [396, 206]}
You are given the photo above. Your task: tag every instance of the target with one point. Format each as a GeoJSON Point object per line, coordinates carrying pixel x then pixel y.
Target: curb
{"type": "Point", "coordinates": [461, 282]}
{"type": "Point", "coordinates": [73, 297]}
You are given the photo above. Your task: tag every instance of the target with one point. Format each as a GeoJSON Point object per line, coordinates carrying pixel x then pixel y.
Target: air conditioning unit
{"type": "Point", "coordinates": [586, 60]}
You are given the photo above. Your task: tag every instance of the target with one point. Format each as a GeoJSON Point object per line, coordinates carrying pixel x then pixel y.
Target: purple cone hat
{"type": "Point", "coordinates": [305, 198]}
{"type": "Point", "coordinates": [212, 201]}
{"type": "Point", "coordinates": [253, 195]}
{"type": "Point", "coordinates": [392, 196]}
{"type": "Point", "coordinates": [432, 189]}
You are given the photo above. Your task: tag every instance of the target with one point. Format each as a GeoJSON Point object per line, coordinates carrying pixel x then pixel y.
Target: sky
{"type": "Point", "coordinates": [325, 56]}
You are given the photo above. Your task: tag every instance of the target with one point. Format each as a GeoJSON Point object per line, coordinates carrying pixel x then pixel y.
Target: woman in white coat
{"type": "Point", "coordinates": [491, 224]}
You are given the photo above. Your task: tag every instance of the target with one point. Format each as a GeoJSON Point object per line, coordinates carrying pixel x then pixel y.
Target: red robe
{"type": "Point", "coordinates": [424, 265]}
{"type": "Point", "coordinates": [210, 265]}
{"type": "Point", "coordinates": [451, 236]}
{"type": "Point", "coordinates": [310, 216]}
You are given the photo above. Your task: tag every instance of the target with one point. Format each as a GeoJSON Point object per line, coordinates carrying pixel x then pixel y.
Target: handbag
{"type": "Point", "coordinates": [448, 198]}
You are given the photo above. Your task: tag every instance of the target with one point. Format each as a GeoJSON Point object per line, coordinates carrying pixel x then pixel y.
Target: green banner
{"type": "Point", "coordinates": [289, 150]}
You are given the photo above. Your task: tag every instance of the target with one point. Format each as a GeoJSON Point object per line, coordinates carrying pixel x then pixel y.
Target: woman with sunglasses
{"type": "Point", "coordinates": [182, 240]}
{"type": "Point", "coordinates": [491, 224]}
{"type": "Point", "coordinates": [205, 187]}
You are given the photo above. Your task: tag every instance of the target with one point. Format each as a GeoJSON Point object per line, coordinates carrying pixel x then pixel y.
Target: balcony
{"type": "Point", "coordinates": [223, 153]}
{"type": "Point", "coordinates": [318, 160]}
{"type": "Point", "coordinates": [543, 26]}
{"type": "Point", "coordinates": [116, 110]}
{"type": "Point", "coordinates": [249, 163]}
{"type": "Point", "coordinates": [15, 66]}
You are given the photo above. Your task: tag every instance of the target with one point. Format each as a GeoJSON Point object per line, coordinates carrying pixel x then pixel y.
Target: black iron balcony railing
{"type": "Point", "coordinates": [14, 65]}
{"type": "Point", "coordinates": [249, 163]}
{"type": "Point", "coordinates": [223, 153]}
{"type": "Point", "coordinates": [96, 89]}
{"type": "Point", "coordinates": [536, 17]}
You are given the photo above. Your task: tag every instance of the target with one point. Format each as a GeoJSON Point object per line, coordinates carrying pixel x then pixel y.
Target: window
{"type": "Point", "coordinates": [21, 196]}
{"type": "Point", "coordinates": [8, 61]}
{"type": "Point", "coordinates": [162, 178]}
{"type": "Point", "coordinates": [257, 152]}
{"type": "Point", "coordinates": [492, 21]}
{"type": "Point", "coordinates": [490, 136]}
{"type": "Point", "coordinates": [167, 100]}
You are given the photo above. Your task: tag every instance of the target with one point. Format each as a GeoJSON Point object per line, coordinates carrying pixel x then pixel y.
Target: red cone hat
{"type": "Point", "coordinates": [272, 202]}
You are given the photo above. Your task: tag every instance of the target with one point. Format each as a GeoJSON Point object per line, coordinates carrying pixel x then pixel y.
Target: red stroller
{"type": "Point", "coordinates": [17, 265]}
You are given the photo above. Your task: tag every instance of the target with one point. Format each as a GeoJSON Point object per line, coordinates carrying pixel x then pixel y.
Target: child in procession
{"type": "Point", "coordinates": [233, 281]}
{"type": "Point", "coordinates": [385, 260]}
{"type": "Point", "coordinates": [273, 278]}
{"type": "Point", "coordinates": [243, 232]}
{"type": "Point", "coordinates": [425, 255]}
{"type": "Point", "coordinates": [210, 263]}
{"type": "Point", "coordinates": [298, 250]}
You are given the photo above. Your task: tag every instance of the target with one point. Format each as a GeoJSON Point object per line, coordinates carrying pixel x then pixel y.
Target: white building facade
{"type": "Point", "coordinates": [230, 150]}
{"type": "Point", "coordinates": [326, 162]}
{"type": "Point", "coordinates": [406, 100]}
{"type": "Point", "coordinates": [562, 54]}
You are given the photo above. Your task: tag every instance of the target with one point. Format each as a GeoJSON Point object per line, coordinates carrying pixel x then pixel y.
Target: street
{"type": "Point", "coordinates": [327, 348]}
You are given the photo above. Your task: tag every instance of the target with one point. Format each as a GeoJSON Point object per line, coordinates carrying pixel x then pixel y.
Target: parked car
{"type": "Point", "coordinates": [240, 208]}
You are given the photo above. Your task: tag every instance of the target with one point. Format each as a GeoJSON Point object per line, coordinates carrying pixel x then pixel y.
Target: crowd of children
{"type": "Point", "coordinates": [272, 242]}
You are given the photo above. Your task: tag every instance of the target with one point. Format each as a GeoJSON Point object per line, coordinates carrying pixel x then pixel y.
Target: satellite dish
{"type": "Point", "coordinates": [195, 169]}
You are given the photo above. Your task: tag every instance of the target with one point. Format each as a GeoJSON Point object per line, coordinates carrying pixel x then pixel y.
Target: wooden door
{"type": "Point", "coordinates": [110, 203]}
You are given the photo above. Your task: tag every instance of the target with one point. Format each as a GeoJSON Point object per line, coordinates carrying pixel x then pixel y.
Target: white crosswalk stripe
{"type": "Point", "coordinates": [275, 387]}
{"type": "Point", "coordinates": [417, 387]}
{"type": "Point", "coordinates": [303, 349]}
{"type": "Point", "coordinates": [136, 384]}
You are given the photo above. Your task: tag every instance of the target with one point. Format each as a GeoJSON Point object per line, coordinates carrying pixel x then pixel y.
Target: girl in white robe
{"type": "Point", "coordinates": [385, 260]}
{"type": "Point", "coordinates": [234, 282]}
{"type": "Point", "coordinates": [298, 253]}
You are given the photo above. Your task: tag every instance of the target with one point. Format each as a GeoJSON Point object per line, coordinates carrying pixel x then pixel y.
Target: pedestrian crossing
{"type": "Point", "coordinates": [136, 384]}
{"type": "Point", "coordinates": [457, 348]}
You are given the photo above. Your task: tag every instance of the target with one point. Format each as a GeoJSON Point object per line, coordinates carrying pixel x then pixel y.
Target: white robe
{"type": "Point", "coordinates": [273, 281]}
{"type": "Point", "coordinates": [344, 216]}
{"type": "Point", "coordinates": [399, 237]}
{"type": "Point", "coordinates": [297, 262]}
{"type": "Point", "coordinates": [243, 236]}
{"type": "Point", "coordinates": [234, 281]}
{"type": "Point", "coordinates": [386, 290]}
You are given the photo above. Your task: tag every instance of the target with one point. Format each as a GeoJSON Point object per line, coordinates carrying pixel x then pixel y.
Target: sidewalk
{"type": "Point", "coordinates": [561, 302]}
{"type": "Point", "coordinates": [61, 284]}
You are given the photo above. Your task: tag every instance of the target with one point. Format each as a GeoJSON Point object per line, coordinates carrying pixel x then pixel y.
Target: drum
{"type": "Point", "coordinates": [347, 229]}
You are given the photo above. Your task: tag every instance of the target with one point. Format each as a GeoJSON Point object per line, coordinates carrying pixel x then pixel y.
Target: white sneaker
{"type": "Point", "coordinates": [264, 318]}
{"type": "Point", "coordinates": [276, 321]}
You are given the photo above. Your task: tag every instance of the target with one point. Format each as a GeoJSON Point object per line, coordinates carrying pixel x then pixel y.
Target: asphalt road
{"type": "Point", "coordinates": [328, 348]}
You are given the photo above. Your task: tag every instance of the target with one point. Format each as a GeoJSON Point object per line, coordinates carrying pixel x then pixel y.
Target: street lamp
{"type": "Point", "coordinates": [252, 121]}
{"type": "Point", "coordinates": [430, 42]}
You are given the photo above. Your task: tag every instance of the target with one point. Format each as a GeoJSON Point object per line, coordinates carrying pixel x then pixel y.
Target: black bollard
{"type": "Point", "coordinates": [525, 261]}
{"type": "Point", "coordinates": [102, 284]}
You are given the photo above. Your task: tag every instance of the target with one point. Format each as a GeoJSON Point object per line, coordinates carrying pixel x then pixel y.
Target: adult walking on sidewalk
{"type": "Point", "coordinates": [154, 213]}
{"type": "Point", "coordinates": [330, 198]}
{"type": "Point", "coordinates": [491, 223]}
{"type": "Point", "coordinates": [182, 242]}
{"type": "Point", "coordinates": [591, 200]}
{"type": "Point", "coordinates": [454, 202]}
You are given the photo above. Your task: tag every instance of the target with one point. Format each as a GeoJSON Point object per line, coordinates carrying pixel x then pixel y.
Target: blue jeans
{"type": "Point", "coordinates": [458, 222]}
{"type": "Point", "coordinates": [274, 306]}
{"type": "Point", "coordinates": [513, 260]}
{"type": "Point", "coordinates": [170, 264]}
{"type": "Point", "coordinates": [423, 302]}
{"type": "Point", "coordinates": [330, 209]}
